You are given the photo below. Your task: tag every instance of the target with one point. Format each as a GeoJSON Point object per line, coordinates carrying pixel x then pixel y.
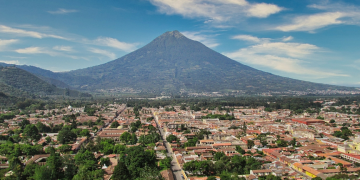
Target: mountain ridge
{"type": "Point", "coordinates": [172, 63]}
{"type": "Point", "coordinates": [21, 83]}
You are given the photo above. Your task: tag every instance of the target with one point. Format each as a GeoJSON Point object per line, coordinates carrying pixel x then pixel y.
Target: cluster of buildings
{"type": "Point", "coordinates": [293, 146]}
{"type": "Point", "coordinates": [316, 153]}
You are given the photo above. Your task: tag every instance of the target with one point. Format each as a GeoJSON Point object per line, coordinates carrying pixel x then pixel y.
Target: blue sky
{"type": "Point", "coordinates": [313, 40]}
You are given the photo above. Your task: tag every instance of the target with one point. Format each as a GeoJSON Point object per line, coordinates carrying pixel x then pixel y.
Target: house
{"type": "Point", "coordinates": [261, 172]}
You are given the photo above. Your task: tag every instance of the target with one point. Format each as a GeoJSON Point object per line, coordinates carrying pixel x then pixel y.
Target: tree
{"type": "Point", "coordinates": [71, 168]}
{"type": "Point", "coordinates": [282, 143]}
{"type": "Point", "coordinates": [55, 166]}
{"type": "Point", "coordinates": [85, 132]}
{"type": "Point", "coordinates": [43, 128]}
{"type": "Point", "coordinates": [137, 159]}
{"type": "Point", "coordinates": [85, 173]}
{"type": "Point", "coordinates": [29, 171]}
{"type": "Point", "coordinates": [48, 139]}
{"type": "Point", "coordinates": [240, 150]}
{"type": "Point", "coordinates": [42, 173]}
{"type": "Point", "coordinates": [125, 137]}
{"type": "Point", "coordinates": [66, 136]}
{"type": "Point", "coordinates": [121, 172]}
{"type": "Point", "coordinates": [24, 123]}
{"type": "Point", "coordinates": [183, 107]}
{"type": "Point", "coordinates": [250, 144]}
{"type": "Point", "coordinates": [133, 139]}
{"type": "Point", "coordinates": [119, 149]}
{"type": "Point", "coordinates": [105, 161]}
{"type": "Point", "coordinates": [332, 121]}
{"type": "Point", "coordinates": [114, 124]}
{"type": "Point", "coordinates": [16, 166]}
{"type": "Point", "coordinates": [150, 173]}
{"type": "Point", "coordinates": [64, 148]}
{"type": "Point", "coordinates": [219, 155]}
{"type": "Point", "coordinates": [31, 132]}
{"type": "Point", "coordinates": [191, 142]}
{"type": "Point", "coordinates": [171, 138]}
{"type": "Point", "coordinates": [166, 162]}
{"type": "Point", "coordinates": [293, 142]}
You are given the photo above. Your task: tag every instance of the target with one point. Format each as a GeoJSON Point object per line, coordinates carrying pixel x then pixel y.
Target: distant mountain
{"type": "Point", "coordinates": [174, 63]}
{"type": "Point", "coordinates": [20, 83]}
{"type": "Point", "coordinates": [46, 75]}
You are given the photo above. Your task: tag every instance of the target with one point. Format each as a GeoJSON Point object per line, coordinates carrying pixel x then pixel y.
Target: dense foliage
{"type": "Point", "coordinates": [235, 164]}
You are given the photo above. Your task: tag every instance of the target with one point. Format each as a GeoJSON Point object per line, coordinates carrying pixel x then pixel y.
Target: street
{"type": "Point", "coordinates": [175, 167]}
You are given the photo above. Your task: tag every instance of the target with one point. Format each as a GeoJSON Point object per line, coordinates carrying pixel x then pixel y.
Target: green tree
{"type": "Point", "coordinates": [31, 132]}
{"type": "Point", "coordinates": [166, 162]}
{"type": "Point", "coordinates": [240, 150]}
{"type": "Point", "coordinates": [125, 137]}
{"type": "Point", "coordinates": [150, 173]}
{"type": "Point", "coordinates": [64, 148]}
{"type": "Point", "coordinates": [23, 123]}
{"type": "Point", "coordinates": [85, 132]}
{"type": "Point", "coordinates": [121, 172]}
{"type": "Point", "coordinates": [29, 171]}
{"type": "Point", "coordinates": [250, 144]}
{"type": "Point", "coordinates": [43, 128]}
{"type": "Point", "coordinates": [85, 174]}
{"type": "Point", "coordinates": [171, 138]}
{"type": "Point", "coordinates": [219, 155]}
{"type": "Point", "coordinates": [114, 124]}
{"type": "Point", "coordinates": [55, 166]}
{"type": "Point", "coordinates": [282, 143]}
{"type": "Point", "coordinates": [48, 139]}
{"type": "Point", "coordinates": [105, 161]}
{"type": "Point", "coordinates": [137, 159]}
{"type": "Point", "coordinates": [42, 173]}
{"type": "Point", "coordinates": [66, 136]}
{"type": "Point", "coordinates": [80, 158]}
{"type": "Point", "coordinates": [71, 168]}
{"type": "Point", "coordinates": [133, 139]}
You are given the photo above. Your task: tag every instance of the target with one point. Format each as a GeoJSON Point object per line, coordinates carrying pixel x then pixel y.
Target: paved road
{"type": "Point", "coordinates": [175, 167]}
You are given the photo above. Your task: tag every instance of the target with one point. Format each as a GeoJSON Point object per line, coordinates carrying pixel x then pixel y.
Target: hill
{"type": "Point", "coordinates": [173, 63]}
{"type": "Point", "coordinates": [20, 83]}
{"type": "Point", "coordinates": [46, 75]}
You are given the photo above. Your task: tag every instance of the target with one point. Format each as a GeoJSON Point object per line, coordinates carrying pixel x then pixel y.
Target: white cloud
{"type": "Point", "coordinates": [295, 50]}
{"type": "Point", "coordinates": [63, 11]}
{"type": "Point", "coordinates": [31, 50]}
{"type": "Point", "coordinates": [63, 48]}
{"type": "Point", "coordinates": [16, 62]}
{"type": "Point", "coordinates": [114, 43]}
{"type": "Point", "coordinates": [250, 38]}
{"type": "Point", "coordinates": [332, 14]}
{"type": "Point", "coordinates": [25, 33]}
{"type": "Point", "coordinates": [263, 10]}
{"type": "Point", "coordinates": [281, 56]}
{"type": "Point", "coordinates": [216, 11]}
{"type": "Point", "coordinates": [205, 39]}
{"type": "Point", "coordinates": [103, 52]}
{"type": "Point", "coordinates": [43, 50]}
{"type": "Point", "coordinates": [6, 42]}
{"type": "Point", "coordinates": [313, 22]}
{"type": "Point", "coordinates": [289, 38]}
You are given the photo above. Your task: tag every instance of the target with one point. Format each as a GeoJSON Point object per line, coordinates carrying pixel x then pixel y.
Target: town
{"type": "Point", "coordinates": [229, 142]}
